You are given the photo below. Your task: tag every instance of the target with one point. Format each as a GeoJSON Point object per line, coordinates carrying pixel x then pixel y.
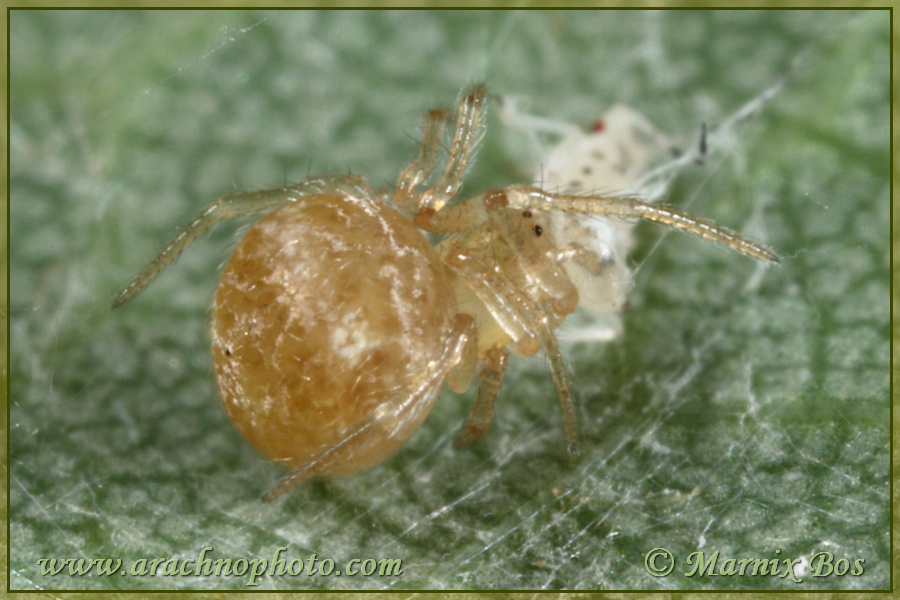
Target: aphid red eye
{"type": "Point", "coordinates": [598, 126]}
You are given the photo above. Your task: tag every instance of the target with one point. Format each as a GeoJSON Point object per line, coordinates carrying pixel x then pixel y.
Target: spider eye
{"type": "Point", "coordinates": [538, 230]}
{"type": "Point", "coordinates": [526, 214]}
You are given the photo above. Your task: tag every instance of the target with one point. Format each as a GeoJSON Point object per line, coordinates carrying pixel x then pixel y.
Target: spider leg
{"type": "Point", "coordinates": [453, 219]}
{"type": "Point", "coordinates": [460, 378]}
{"type": "Point", "coordinates": [507, 303]}
{"type": "Point", "coordinates": [421, 169]}
{"type": "Point", "coordinates": [460, 342]}
{"type": "Point", "coordinates": [563, 382]}
{"type": "Point", "coordinates": [489, 380]}
{"type": "Point", "coordinates": [469, 130]}
{"type": "Point", "coordinates": [526, 321]}
{"type": "Point", "coordinates": [228, 207]}
{"type": "Point", "coordinates": [529, 197]}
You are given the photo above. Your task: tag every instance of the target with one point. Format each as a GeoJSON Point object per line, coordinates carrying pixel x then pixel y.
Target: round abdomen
{"type": "Point", "coordinates": [328, 313]}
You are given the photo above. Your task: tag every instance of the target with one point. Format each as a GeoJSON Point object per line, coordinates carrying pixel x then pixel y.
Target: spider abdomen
{"type": "Point", "coordinates": [330, 308]}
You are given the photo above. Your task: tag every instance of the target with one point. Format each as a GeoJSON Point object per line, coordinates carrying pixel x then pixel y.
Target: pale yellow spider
{"type": "Point", "coordinates": [336, 323]}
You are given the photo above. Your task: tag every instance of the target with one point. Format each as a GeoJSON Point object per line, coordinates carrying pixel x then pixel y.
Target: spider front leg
{"type": "Point", "coordinates": [228, 207]}
{"type": "Point", "coordinates": [489, 381]}
{"type": "Point", "coordinates": [422, 168]}
{"type": "Point", "coordinates": [529, 197]}
{"type": "Point", "coordinates": [469, 129]}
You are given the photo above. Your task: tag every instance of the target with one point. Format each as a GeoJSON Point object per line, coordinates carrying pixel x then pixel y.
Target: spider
{"type": "Point", "coordinates": [337, 324]}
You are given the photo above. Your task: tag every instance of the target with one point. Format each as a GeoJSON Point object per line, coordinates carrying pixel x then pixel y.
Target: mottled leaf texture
{"type": "Point", "coordinates": [744, 409]}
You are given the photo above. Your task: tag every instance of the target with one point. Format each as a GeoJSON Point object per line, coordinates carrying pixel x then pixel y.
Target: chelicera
{"type": "Point", "coordinates": [337, 324]}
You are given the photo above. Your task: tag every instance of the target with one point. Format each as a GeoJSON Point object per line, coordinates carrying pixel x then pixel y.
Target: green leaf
{"type": "Point", "coordinates": [744, 409]}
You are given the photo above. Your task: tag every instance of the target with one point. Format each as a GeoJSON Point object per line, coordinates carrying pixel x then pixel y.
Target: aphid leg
{"type": "Point", "coordinates": [224, 208]}
{"type": "Point", "coordinates": [469, 129]}
{"type": "Point", "coordinates": [532, 125]}
{"type": "Point", "coordinates": [525, 321]}
{"type": "Point", "coordinates": [461, 341]}
{"type": "Point", "coordinates": [423, 166]}
{"type": "Point", "coordinates": [489, 380]}
{"type": "Point", "coordinates": [529, 197]}
{"type": "Point", "coordinates": [511, 116]}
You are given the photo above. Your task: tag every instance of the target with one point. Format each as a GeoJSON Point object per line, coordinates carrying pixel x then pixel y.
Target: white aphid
{"type": "Point", "coordinates": [610, 159]}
